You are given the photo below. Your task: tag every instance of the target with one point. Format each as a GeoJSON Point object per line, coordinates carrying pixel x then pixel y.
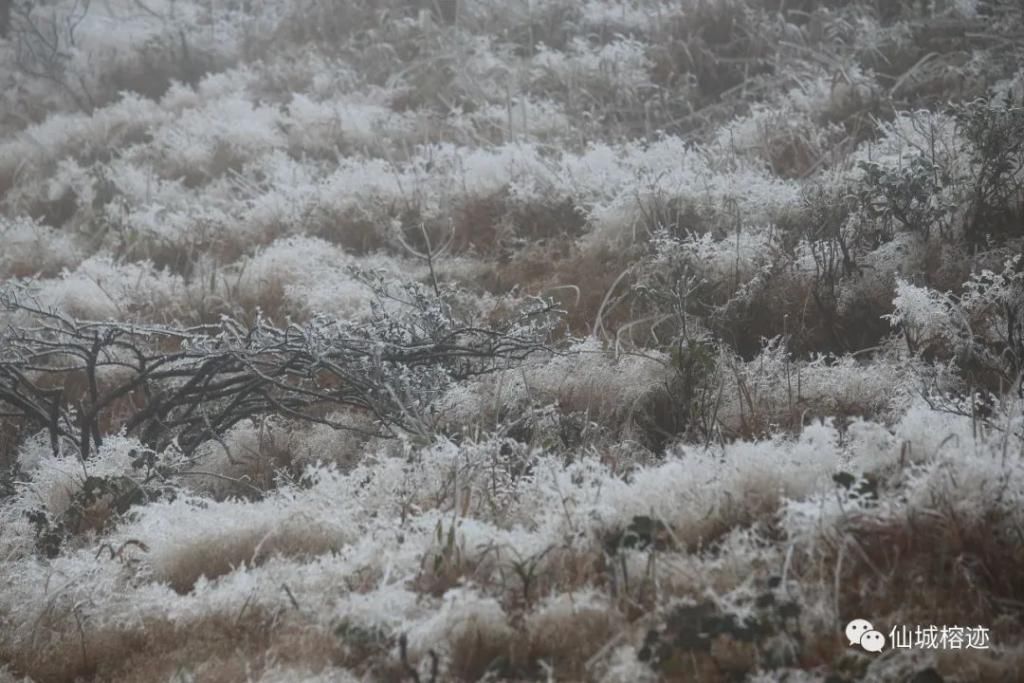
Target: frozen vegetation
{"type": "Point", "coordinates": [510, 339]}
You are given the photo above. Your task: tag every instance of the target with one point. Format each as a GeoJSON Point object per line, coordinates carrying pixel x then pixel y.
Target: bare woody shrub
{"type": "Point", "coordinates": [79, 380]}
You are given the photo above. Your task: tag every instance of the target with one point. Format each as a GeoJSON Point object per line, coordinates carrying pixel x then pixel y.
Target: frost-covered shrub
{"type": "Point", "coordinates": [924, 316]}
{"type": "Point", "coordinates": [996, 134]}
{"type": "Point", "coordinates": [32, 249]}
{"type": "Point", "coordinates": [470, 631]}
{"type": "Point", "coordinates": [614, 70]}
{"type": "Point", "coordinates": [550, 400]}
{"type": "Point", "coordinates": [246, 460]}
{"type": "Point", "coordinates": [774, 390]}
{"type": "Point", "coordinates": [620, 184]}
{"type": "Point", "coordinates": [794, 136]}
{"type": "Point", "coordinates": [34, 151]}
{"type": "Point", "coordinates": [102, 288]}
{"type": "Point", "coordinates": [212, 140]}
{"type": "Point", "coordinates": [740, 484]}
{"type": "Point", "coordinates": [535, 118]}
{"type": "Point", "coordinates": [297, 277]}
{"type": "Point", "coordinates": [184, 386]}
{"type": "Point", "coordinates": [957, 490]}
{"type": "Point", "coordinates": [980, 329]}
{"type": "Point", "coordinates": [341, 126]}
{"type": "Point", "coordinates": [64, 498]}
{"type": "Point", "coordinates": [689, 272]}
{"type": "Point", "coordinates": [909, 198]}
{"type": "Point", "coordinates": [530, 24]}
{"type": "Point", "coordinates": [953, 177]}
{"type": "Point", "coordinates": [70, 47]}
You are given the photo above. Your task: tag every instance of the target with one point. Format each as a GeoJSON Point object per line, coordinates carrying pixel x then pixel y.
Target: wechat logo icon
{"type": "Point", "coordinates": [861, 632]}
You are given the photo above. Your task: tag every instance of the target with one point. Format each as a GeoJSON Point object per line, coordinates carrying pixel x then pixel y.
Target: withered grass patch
{"type": "Point", "coordinates": [218, 647]}
{"type": "Point", "coordinates": [213, 556]}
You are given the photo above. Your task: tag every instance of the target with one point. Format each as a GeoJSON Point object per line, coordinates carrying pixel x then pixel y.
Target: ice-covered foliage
{"type": "Point", "coordinates": [980, 329]}
{"type": "Point", "coordinates": [354, 549]}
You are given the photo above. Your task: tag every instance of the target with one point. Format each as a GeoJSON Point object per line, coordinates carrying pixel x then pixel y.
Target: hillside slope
{"type": "Point", "coordinates": [511, 340]}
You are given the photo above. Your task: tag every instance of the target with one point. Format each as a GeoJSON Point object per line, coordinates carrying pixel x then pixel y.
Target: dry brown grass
{"type": "Point", "coordinates": [565, 640]}
{"type": "Point", "coordinates": [255, 463]}
{"type": "Point", "coordinates": [216, 648]}
{"type": "Point", "coordinates": [215, 555]}
{"type": "Point", "coordinates": [563, 637]}
{"type": "Point", "coordinates": [268, 297]}
{"type": "Point", "coordinates": [154, 69]}
{"type": "Point", "coordinates": [495, 226]}
{"type": "Point", "coordinates": [354, 231]}
{"type": "Point", "coordinates": [477, 226]}
{"type": "Point", "coordinates": [446, 567]}
{"type": "Point", "coordinates": [802, 308]}
{"type": "Point", "coordinates": [225, 648]}
{"type": "Point", "coordinates": [927, 569]}
{"type": "Point", "coordinates": [579, 278]}
{"type": "Point", "coordinates": [935, 568]}
{"type": "Point", "coordinates": [476, 650]}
